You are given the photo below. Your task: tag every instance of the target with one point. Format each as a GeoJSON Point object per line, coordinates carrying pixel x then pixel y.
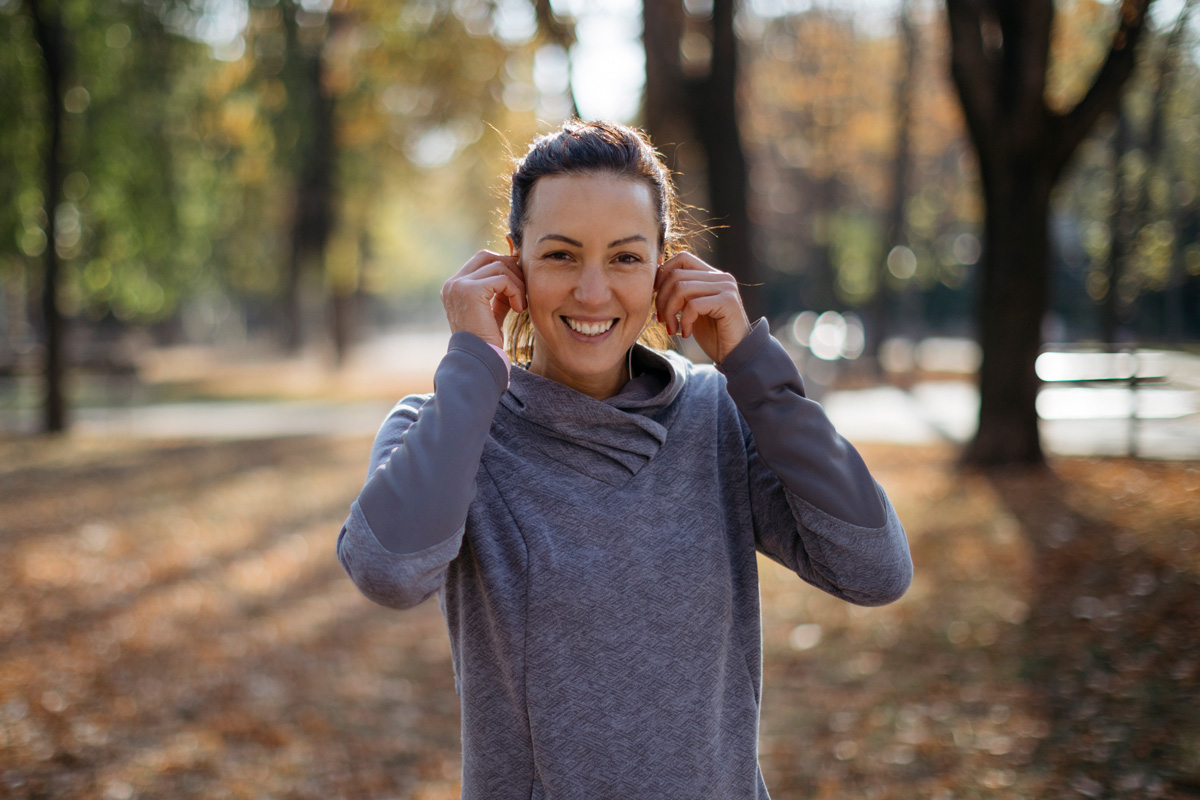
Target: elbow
{"type": "Point", "coordinates": [890, 585]}
{"type": "Point", "coordinates": [393, 597]}
{"type": "Point", "coordinates": [896, 587]}
{"type": "Point", "coordinates": [893, 573]}
{"type": "Point", "coordinates": [380, 582]}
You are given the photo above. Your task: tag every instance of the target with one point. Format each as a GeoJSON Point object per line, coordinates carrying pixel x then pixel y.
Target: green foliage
{"type": "Point", "coordinates": [22, 219]}
{"type": "Point", "coordinates": [855, 243]}
{"type": "Point", "coordinates": [1162, 182]}
{"type": "Point", "coordinates": [180, 169]}
{"type": "Point", "coordinates": [119, 235]}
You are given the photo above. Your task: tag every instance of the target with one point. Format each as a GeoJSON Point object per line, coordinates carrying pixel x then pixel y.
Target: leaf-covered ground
{"type": "Point", "coordinates": [174, 624]}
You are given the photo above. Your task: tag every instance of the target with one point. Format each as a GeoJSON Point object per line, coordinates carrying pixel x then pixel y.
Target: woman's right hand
{"type": "Point", "coordinates": [480, 295]}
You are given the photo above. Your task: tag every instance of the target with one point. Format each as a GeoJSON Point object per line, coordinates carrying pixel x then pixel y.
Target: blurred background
{"type": "Point", "coordinates": [224, 225]}
{"type": "Point", "coordinates": [297, 178]}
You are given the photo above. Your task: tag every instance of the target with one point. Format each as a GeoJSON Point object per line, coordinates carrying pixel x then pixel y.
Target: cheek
{"type": "Point", "coordinates": [544, 295]}
{"type": "Point", "coordinates": [638, 299]}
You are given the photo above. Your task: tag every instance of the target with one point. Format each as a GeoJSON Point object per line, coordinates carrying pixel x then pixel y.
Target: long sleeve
{"type": "Point", "coordinates": [407, 523]}
{"type": "Point", "coordinates": [844, 535]}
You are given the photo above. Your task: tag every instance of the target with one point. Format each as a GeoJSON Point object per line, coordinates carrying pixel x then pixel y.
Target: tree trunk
{"type": "Point", "coordinates": [51, 37]}
{"type": "Point", "coordinates": [312, 216]}
{"type": "Point", "coordinates": [1122, 231]}
{"type": "Point", "coordinates": [1158, 164]}
{"type": "Point", "coordinates": [880, 311]}
{"type": "Point", "coordinates": [561, 33]}
{"type": "Point", "coordinates": [681, 111]}
{"type": "Point", "coordinates": [820, 290]}
{"type": "Point", "coordinates": [715, 114]}
{"type": "Point", "coordinates": [664, 111]}
{"type": "Point", "coordinates": [999, 56]}
{"type": "Point", "coordinates": [1012, 304]}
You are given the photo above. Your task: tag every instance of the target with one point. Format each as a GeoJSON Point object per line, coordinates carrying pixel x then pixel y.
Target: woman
{"type": "Point", "coordinates": [589, 521]}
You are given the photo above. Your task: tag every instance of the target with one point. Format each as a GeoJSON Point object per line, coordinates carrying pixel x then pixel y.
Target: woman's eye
{"type": "Point", "coordinates": [629, 258]}
{"type": "Point", "coordinates": [558, 255]}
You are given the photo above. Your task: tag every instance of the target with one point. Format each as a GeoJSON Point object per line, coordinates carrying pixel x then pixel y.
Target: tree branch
{"type": "Point", "coordinates": [1026, 29]}
{"type": "Point", "coordinates": [973, 72]}
{"type": "Point", "coordinates": [1164, 81]}
{"type": "Point", "coordinates": [1105, 91]}
{"type": "Point", "coordinates": [562, 34]}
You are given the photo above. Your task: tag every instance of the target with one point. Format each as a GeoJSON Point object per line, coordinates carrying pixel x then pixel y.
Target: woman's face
{"type": "Point", "coordinates": [589, 254]}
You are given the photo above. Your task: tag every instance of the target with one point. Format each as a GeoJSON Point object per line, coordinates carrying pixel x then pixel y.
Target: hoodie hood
{"type": "Point", "coordinates": [609, 440]}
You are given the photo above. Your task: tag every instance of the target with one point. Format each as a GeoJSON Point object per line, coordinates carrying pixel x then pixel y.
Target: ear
{"type": "Point", "coordinates": [512, 245]}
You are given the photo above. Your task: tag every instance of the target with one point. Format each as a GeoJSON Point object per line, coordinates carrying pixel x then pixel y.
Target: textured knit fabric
{"type": "Point", "coordinates": [596, 561]}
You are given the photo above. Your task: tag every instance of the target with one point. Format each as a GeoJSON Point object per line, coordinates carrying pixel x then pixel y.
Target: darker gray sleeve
{"type": "Point", "coordinates": [419, 491]}
{"type": "Point", "coordinates": [408, 521]}
{"type": "Point", "coordinates": [816, 508]}
{"type": "Point", "coordinates": [793, 435]}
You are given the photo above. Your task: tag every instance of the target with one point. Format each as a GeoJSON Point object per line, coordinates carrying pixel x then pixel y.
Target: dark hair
{"type": "Point", "coordinates": [589, 147]}
{"type": "Point", "coordinates": [582, 148]}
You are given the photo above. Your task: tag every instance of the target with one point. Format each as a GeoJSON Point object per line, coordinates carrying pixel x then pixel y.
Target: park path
{"type": "Point", "coordinates": [354, 399]}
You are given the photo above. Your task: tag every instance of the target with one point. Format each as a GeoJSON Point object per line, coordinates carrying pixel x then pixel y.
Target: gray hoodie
{"type": "Point", "coordinates": [595, 560]}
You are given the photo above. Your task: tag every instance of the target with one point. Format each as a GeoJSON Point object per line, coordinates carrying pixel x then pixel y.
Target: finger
{"type": "Point", "coordinates": [516, 280]}
{"type": "Point", "coordinates": [508, 265]}
{"type": "Point", "coordinates": [486, 273]}
{"type": "Point", "coordinates": [513, 293]}
{"type": "Point", "coordinates": [667, 284]}
{"type": "Point", "coordinates": [687, 260]}
{"type": "Point", "coordinates": [481, 258]}
{"type": "Point", "coordinates": [501, 305]}
{"type": "Point", "coordinates": [679, 294]}
{"type": "Point", "coordinates": [711, 306]}
{"type": "Point", "coordinates": [687, 318]}
{"type": "Point", "coordinates": [484, 263]}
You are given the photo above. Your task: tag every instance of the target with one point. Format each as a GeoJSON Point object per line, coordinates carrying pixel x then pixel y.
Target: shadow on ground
{"type": "Point", "coordinates": [174, 624]}
{"type": "Point", "coordinates": [1113, 637]}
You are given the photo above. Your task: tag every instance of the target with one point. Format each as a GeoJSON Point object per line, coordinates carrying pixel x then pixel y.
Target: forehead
{"type": "Point", "coordinates": [595, 203]}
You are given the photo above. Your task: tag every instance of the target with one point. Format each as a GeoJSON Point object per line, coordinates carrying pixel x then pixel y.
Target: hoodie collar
{"type": "Point", "coordinates": [609, 440]}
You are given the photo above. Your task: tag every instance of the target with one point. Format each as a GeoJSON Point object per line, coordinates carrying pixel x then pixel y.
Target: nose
{"type": "Point", "coordinates": [593, 289]}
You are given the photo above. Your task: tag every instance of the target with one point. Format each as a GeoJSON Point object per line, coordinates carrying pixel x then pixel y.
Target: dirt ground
{"type": "Point", "coordinates": [174, 624]}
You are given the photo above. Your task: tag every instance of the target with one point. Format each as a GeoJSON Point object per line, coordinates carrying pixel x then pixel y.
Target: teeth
{"type": "Point", "coordinates": [589, 328]}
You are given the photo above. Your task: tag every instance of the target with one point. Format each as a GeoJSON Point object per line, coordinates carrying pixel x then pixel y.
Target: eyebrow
{"type": "Point", "coordinates": [637, 237]}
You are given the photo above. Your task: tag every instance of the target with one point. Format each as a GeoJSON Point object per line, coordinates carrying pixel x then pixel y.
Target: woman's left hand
{"type": "Point", "coordinates": [706, 301]}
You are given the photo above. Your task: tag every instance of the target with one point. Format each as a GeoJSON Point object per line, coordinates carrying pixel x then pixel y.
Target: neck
{"type": "Point", "coordinates": [599, 386]}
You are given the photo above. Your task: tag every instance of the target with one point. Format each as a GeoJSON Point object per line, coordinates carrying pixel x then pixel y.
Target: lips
{"type": "Point", "coordinates": [589, 328]}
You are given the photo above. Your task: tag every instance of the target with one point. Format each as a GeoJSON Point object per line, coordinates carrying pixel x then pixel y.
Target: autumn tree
{"type": "Point", "coordinates": [50, 34]}
{"type": "Point", "coordinates": [163, 161]}
{"type": "Point", "coordinates": [999, 57]}
{"type": "Point", "coordinates": [97, 233]}
{"type": "Point", "coordinates": [345, 102]}
{"type": "Point", "coordinates": [691, 109]}
{"type": "Point", "coordinates": [896, 233]}
{"type": "Point", "coordinates": [856, 147]}
{"type": "Point", "coordinates": [1132, 208]}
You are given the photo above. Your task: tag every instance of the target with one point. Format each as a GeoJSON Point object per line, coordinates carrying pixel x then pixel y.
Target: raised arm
{"type": "Point", "coordinates": [407, 523]}
{"type": "Point", "coordinates": [817, 509]}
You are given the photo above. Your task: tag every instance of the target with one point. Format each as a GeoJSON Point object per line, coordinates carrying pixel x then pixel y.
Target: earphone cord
{"type": "Point", "coordinates": [629, 356]}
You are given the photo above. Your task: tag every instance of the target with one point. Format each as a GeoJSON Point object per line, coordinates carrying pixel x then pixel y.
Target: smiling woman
{"type": "Point", "coordinates": [589, 276]}
{"type": "Point", "coordinates": [589, 518]}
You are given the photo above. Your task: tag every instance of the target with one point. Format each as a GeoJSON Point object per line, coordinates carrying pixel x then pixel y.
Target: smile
{"type": "Point", "coordinates": [589, 328]}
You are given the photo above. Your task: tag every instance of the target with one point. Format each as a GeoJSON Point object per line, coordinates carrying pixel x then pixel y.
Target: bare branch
{"type": "Point", "coordinates": [973, 72]}
{"type": "Point", "coordinates": [1105, 91]}
{"type": "Point", "coordinates": [1026, 28]}
{"type": "Point", "coordinates": [1164, 81]}
{"type": "Point", "coordinates": [562, 33]}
